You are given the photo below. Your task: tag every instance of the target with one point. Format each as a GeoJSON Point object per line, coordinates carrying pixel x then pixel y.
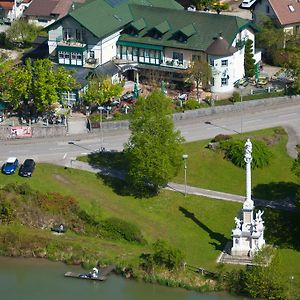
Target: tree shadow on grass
{"type": "Point", "coordinates": [220, 239]}
{"type": "Point", "coordinates": [282, 228]}
{"type": "Point", "coordinates": [276, 191]}
{"type": "Point", "coordinates": [122, 188]}
{"type": "Point", "coordinates": [113, 160]}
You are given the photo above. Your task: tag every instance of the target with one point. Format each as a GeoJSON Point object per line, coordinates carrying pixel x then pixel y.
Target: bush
{"type": "Point", "coordinates": [234, 151]}
{"type": "Point", "coordinates": [236, 97]}
{"type": "Point", "coordinates": [118, 229]}
{"type": "Point", "coordinates": [21, 189]}
{"type": "Point", "coordinates": [221, 138]}
{"type": "Point", "coordinates": [166, 255]}
{"type": "Point", "coordinates": [192, 104]}
{"type": "Point", "coordinates": [6, 211]}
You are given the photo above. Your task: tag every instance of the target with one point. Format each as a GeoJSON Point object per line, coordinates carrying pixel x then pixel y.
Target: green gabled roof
{"type": "Point", "coordinates": [103, 17]}
{"type": "Point", "coordinates": [162, 27]}
{"type": "Point", "coordinates": [100, 18]}
{"type": "Point", "coordinates": [139, 24]}
{"type": "Point", "coordinates": [207, 26]}
{"type": "Point", "coordinates": [188, 30]}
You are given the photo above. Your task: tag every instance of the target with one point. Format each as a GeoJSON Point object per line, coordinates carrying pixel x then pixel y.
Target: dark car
{"type": "Point", "coordinates": [10, 166]}
{"type": "Point", "coordinates": [27, 168]}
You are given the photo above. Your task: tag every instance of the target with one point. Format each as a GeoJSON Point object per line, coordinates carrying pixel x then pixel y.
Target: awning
{"type": "Point", "coordinates": [138, 45]}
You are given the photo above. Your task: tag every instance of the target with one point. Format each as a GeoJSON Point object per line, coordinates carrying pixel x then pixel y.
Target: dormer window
{"type": "Point", "coordinates": [155, 34]}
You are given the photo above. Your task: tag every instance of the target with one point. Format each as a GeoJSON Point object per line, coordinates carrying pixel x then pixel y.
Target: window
{"type": "Point", "coordinates": [61, 54]}
{"type": "Point", "coordinates": [212, 81]}
{"type": "Point", "coordinates": [179, 56]}
{"type": "Point", "coordinates": [67, 33]}
{"type": "Point", "coordinates": [267, 9]}
{"type": "Point", "coordinates": [224, 62]}
{"type": "Point", "coordinates": [73, 55]}
{"type": "Point", "coordinates": [67, 55]}
{"type": "Point", "coordinates": [146, 53]}
{"type": "Point", "coordinates": [79, 35]}
{"type": "Point", "coordinates": [196, 57]}
{"type": "Point", "coordinates": [79, 56]}
{"type": "Point", "coordinates": [92, 54]}
{"type": "Point", "coordinates": [224, 81]}
{"type": "Point", "coordinates": [211, 62]}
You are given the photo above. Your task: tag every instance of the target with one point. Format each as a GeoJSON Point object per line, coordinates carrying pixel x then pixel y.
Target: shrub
{"type": "Point", "coordinates": [118, 229]}
{"type": "Point", "coordinates": [220, 138]}
{"type": "Point", "coordinates": [6, 211]}
{"type": "Point", "coordinates": [166, 255]}
{"type": "Point", "coordinates": [22, 189]}
{"type": "Point", "coordinates": [192, 104]}
{"type": "Point", "coordinates": [234, 151]}
{"type": "Point", "coordinates": [236, 97]}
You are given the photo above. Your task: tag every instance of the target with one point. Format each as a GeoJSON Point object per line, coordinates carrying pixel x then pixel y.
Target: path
{"type": "Point", "coordinates": [189, 189]}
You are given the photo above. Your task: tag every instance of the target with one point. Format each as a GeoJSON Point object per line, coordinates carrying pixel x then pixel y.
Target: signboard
{"type": "Point", "coordinates": [20, 131]}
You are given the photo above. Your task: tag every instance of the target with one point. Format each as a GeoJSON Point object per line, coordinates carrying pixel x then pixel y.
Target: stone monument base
{"type": "Point", "coordinates": [226, 257]}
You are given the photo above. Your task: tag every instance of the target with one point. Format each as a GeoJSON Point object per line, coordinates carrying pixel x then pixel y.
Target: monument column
{"type": "Point", "coordinates": [248, 205]}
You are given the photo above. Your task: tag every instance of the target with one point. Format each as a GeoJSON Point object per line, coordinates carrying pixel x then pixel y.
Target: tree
{"type": "Point", "coordinates": [38, 83]}
{"type": "Point", "coordinates": [200, 72]}
{"type": "Point", "coordinates": [22, 33]}
{"type": "Point", "coordinates": [249, 61]}
{"type": "Point", "coordinates": [296, 171]}
{"type": "Point", "coordinates": [270, 37]}
{"type": "Point", "coordinates": [101, 89]}
{"type": "Point", "coordinates": [292, 64]}
{"type": "Point", "coordinates": [264, 279]}
{"type": "Point", "coordinates": [154, 150]}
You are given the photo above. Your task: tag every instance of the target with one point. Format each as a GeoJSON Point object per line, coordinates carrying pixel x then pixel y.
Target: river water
{"type": "Point", "coordinates": [39, 279]}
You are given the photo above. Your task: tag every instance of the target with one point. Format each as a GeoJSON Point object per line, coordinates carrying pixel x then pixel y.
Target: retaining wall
{"type": "Point", "coordinates": [189, 114]}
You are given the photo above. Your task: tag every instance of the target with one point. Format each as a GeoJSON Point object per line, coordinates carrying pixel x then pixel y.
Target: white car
{"type": "Point", "coordinates": [247, 3]}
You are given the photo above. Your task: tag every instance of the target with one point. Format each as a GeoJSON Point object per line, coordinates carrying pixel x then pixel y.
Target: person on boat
{"type": "Point", "coordinates": [95, 273]}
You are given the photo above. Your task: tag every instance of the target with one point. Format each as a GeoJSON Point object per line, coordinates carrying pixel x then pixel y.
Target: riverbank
{"type": "Point", "coordinates": [35, 279]}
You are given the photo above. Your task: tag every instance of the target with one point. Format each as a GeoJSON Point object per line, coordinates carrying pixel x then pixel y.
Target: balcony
{"type": "Point", "coordinates": [91, 62]}
{"type": "Point", "coordinates": [175, 63]}
{"type": "Point", "coordinates": [70, 43]}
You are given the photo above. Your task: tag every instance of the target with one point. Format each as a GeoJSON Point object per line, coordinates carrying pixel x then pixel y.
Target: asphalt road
{"type": "Point", "coordinates": [62, 150]}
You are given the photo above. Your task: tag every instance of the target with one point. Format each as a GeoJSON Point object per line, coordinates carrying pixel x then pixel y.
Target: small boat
{"type": "Point", "coordinates": [88, 276]}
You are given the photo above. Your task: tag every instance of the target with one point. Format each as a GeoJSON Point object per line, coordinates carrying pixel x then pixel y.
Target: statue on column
{"type": "Point", "coordinates": [248, 151]}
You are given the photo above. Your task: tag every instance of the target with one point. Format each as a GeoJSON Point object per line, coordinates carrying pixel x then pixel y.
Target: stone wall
{"type": "Point", "coordinates": [37, 132]}
{"type": "Point", "coordinates": [190, 114]}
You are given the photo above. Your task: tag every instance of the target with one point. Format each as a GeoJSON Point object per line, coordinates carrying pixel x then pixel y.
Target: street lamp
{"type": "Point", "coordinates": [100, 108]}
{"type": "Point", "coordinates": [185, 157]}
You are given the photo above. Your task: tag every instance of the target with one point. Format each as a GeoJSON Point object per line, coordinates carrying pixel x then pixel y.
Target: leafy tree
{"type": "Point", "coordinates": [264, 279]}
{"type": "Point", "coordinates": [292, 64]}
{"type": "Point", "coordinates": [296, 170]}
{"type": "Point", "coordinates": [101, 89]}
{"type": "Point", "coordinates": [270, 36]}
{"type": "Point", "coordinates": [39, 83]}
{"type": "Point", "coordinates": [249, 61]}
{"type": "Point", "coordinates": [200, 72]}
{"type": "Point", "coordinates": [154, 149]}
{"type": "Point", "coordinates": [22, 32]}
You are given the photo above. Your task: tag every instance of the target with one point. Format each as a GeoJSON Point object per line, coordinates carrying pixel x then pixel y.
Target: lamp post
{"type": "Point", "coordinates": [185, 157]}
{"type": "Point", "coordinates": [100, 108]}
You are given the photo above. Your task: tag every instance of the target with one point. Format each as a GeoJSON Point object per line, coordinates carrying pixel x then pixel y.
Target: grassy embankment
{"type": "Point", "coordinates": [198, 226]}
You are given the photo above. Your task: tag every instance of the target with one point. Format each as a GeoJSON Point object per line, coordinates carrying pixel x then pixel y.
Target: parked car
{"type": "Point", "coordinates": [10, 166]}
{"type": "Point", "coordinates": [27, 168]}
{"type": "Point", "coordinates": [247, 3]}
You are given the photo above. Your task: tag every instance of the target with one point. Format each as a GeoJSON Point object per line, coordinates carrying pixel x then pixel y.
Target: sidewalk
{"type": "Point", "coordinates": [176, 187]}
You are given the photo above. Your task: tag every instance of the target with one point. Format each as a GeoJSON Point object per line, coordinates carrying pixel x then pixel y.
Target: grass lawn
{"type": "Point", "coordinates": [200, 227]}
{"type": "Point", "coordinates": [208, 169]}
{"type": "Point", "coordinates": [190, 222]}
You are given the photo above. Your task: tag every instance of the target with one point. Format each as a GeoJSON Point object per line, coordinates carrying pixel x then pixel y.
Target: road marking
{"type": "Point", "coordinates": [288, 115]}
{"type": "Point", "coordinates": [56, 148]}
{"type": "Point", "coordinates": [252, 121]}
{"type": "Point", "coordinates": [65, 155]}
